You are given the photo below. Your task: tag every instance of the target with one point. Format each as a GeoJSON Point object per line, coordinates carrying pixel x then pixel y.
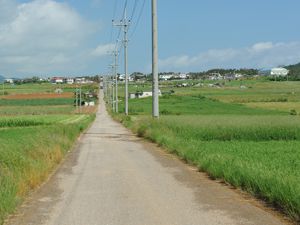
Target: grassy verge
{"type": "Point", "coordinates": [26, 163]}
{"type": "Point", "coordinates": [248, 137]}
{"type": "Point", "coordinates": [259, 154]}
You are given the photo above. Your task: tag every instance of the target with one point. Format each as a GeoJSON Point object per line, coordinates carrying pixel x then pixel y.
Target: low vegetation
{"type": "Point", "coordinates": [35, 134]}
{"type": "Point", "coordinates": [36, 102]}
{"type": "Point", "coordinates": [232, 134]}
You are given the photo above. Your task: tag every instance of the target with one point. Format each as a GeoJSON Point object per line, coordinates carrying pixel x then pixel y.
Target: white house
{"type": "Point", "coordinates": [279, 72]}
{"type": "Point", "coordinates": [166, 76]}
{"type": "Point", "coordinates": [122, 78]}
{"type": "Point", "coordinates": [10, 81]}
{"type": "Point", "coordinates": [80, 80]}
{"type": "Point", "coordinates": [144, 94]}
{"type": "Point", "coordinates": [70, 81]}
{"type": "Point", "coordinates": [183, 76]}
{"type": "Point", "coordinates": [215, 76]}
{"type": "Point", "coordinates": [57, 80]}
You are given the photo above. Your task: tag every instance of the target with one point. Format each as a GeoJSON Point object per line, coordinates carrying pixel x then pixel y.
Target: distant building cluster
{"type": "Point", "coordinates": [174, 76]}
{"type": "Point", "coordinates": [63, 80]}
{"type": "Point", "coordinates": [53, 80]}
{"type": "Point", "coordinates": [218, 76]}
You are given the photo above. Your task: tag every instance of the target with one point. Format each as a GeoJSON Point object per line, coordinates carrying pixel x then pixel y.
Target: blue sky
{"type": "Point", "coordinates": [72, 37]}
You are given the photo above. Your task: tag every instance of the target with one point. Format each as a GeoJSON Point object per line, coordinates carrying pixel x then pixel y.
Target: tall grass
{"type": "Point", "coordinates": [260, 154]}
{"type": "Point", "coordinates": [256, 149]}
{"type": "Point", "coordinates": [32, 142]}
{"type": "Point", "coordinates": [231, 127]}
{"type": "Point", "coordinates": [28, 154]}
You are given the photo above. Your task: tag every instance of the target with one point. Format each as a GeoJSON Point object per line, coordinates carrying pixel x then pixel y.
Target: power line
{"type": "Point", "coordinates": [114, 14]}
{"type": "Point", "coordinates": [134, 9]}
{"type": "Point", "coordinates": [115, 9]}
{"type": "Point", "coordinates": [125, 8]}
{"type": "Point", "coordinates": [124, 24]}
{"type": "Point", "coordinates": [139, 18]}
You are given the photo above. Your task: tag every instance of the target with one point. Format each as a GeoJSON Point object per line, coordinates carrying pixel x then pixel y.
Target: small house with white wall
{"type": "Point", "coordinates": [166, 77]}
{"type": "Point", "coordinates": [70, 81]}
{"type": "Point", "coordinates": [10, 81]}
{"type": "Point", "coordinates": [144, 94]}
{"type": "Point", "coordinates": [277, 72]}
{"type": "Point", "coordinates": [57, 80]}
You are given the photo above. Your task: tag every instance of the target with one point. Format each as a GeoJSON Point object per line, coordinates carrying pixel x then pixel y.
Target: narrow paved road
{"type": "Point", "coordinates": [115, 178]}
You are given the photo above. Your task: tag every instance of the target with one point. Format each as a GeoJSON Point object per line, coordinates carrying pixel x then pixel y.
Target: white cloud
{"type": "Point", "coordinates": [41, 36]}
{"type": "Point", "coordinates": [262, 46]}
{"type": "Point", "coordinates": [103, 50]}
{"type": "Point", "coordinates": [259, 55]}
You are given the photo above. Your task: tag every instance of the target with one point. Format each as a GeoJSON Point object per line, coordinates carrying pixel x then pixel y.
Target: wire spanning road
{"type": "Point", "coordinates": [115, 178]}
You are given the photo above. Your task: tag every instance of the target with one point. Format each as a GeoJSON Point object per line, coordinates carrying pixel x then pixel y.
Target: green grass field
{"type": "Point", "coordinates": [35, 134]}
{"type": "Point", "coordinates": [247, 137]}
{"type": "Point", "coordinates": [36, 110]}
{"type": "Point", "coordinates": [36, 102]}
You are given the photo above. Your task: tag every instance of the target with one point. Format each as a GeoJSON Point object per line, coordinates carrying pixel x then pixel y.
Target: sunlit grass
{"type": "Point", "coordinates": [248, 137]}
{"type": "Point", "coordinates": [35, 134]}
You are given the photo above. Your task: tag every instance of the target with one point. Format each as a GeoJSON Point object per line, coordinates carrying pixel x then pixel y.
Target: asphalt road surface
{"type": "Point", "coordinates": [115, 178]}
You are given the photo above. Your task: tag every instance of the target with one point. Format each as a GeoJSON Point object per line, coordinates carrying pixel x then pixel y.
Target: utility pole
{"type": "Point", "coordinates": [80, 99]}
{"type": "Point", "coordinates": [116, 53]}
{"type": "Point", "coordinates": [124, 23]}
{"type": "Point", "coordinates": [113, 94]}
{"type": "Point", "coordinates": [155, 97]}
{"type": "Point", "coordinates": [76, 99]}
{"type": "Point", "coordinates": [114, 68]}
{"type": "Point", "coordinates": [107, 89]}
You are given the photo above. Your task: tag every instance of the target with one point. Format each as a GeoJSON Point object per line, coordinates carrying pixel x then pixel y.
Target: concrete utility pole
{"type": "Point", "coordinates": [113, 93]}
{"type": "Point", "coordinates": [76, 99]}
{"type": "Point", "coordinates": [155, 97]}
{"type": "Point", "coordinates": [116, 53]}
{"type": "Point", "coordinates": [114, 68]}
{"type": "Point", "coordinates": [80, 99]}
{"type": "Point", "coordinates": [124, 23]}
{"type": "Point", "coordinates": [109, 90]}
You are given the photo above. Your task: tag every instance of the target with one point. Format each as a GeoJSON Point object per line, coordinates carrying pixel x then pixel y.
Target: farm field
{"type": "Point", "coordinates": [246, 133]}
{"type": "Point", "coordinates": [37, 128]}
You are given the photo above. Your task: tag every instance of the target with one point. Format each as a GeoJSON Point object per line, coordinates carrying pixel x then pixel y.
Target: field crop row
{"type": "Point", "coordinates": [193, 105]}
{"type": "Point", "coordinates": [25, 121]}
{"type": "Point", "coordinates": [36, 102]}
{"type": "Point", "coordinates": [36, 110]}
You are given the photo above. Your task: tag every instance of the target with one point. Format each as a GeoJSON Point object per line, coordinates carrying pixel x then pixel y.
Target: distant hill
{"type": "Point", "coordinates": [294, 71]}
{"type": "Point", "coordinates": [292, 67]}
{"type": "Point", "coordinates": [2, 78]}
